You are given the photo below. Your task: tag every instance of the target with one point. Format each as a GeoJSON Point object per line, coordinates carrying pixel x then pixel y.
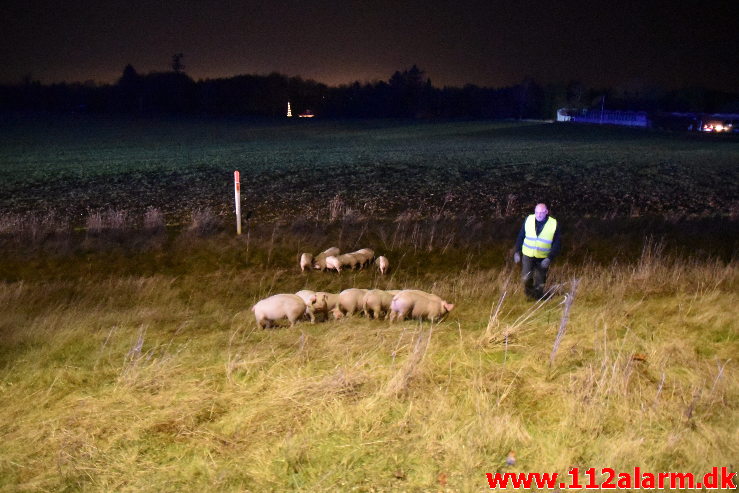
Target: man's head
{"type": "Point", "coordinates": [540, 211]}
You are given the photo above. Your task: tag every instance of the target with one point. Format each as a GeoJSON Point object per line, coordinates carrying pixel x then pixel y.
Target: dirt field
{"type": "Point", "coordinates": [376, 169]}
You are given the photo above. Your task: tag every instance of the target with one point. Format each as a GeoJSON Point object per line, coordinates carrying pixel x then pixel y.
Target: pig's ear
{"type": "Point", "coordinates": [449, 306]}
{"type": "Point", "coordinates": [312, 299]}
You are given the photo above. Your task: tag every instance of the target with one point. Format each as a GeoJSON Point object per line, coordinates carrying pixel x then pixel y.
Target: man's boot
{"type": "Point", "coordinates": [539, 292]}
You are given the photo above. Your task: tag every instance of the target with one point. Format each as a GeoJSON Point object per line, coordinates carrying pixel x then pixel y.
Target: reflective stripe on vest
{"type": "Point", "coordinates": [538, 246]}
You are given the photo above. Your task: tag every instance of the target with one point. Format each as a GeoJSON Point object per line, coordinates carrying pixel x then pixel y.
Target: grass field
{"type": "Point", "coordinates": [71, 166]}
{"type": "Point", "coordinates": [129, 359]}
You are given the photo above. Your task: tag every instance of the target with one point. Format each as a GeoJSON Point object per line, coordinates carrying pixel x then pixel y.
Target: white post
{"type": "Point", "coordinates": [237, 196]}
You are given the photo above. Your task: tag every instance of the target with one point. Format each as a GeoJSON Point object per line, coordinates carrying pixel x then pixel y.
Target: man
{"type": "Point", "coordinates": [537, 245]}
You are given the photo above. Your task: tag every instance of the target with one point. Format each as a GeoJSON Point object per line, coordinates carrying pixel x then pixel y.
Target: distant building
{"type": "Point", "coordinates": [692, 122]}
{"type": "Point", "coordinates": [607, 117]}
{"type": "Point", "coordinates": [306, 114]}
{"type": "Point", "coordinates": [563, 115]}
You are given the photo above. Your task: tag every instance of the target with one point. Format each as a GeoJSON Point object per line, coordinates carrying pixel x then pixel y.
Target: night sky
{"type": "Point", "coordinates": [492, 43]}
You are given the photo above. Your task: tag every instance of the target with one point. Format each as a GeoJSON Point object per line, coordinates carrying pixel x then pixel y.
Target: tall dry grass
{"type": "Point", "coordinates": [125, 371]}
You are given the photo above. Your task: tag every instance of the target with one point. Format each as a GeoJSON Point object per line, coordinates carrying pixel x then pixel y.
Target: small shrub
{"type": "Point", "coordinates": [112, 222]}
{"type": "Point", "coordinates": [154, 222]}
{"type": "Point", "coordinates": [336, 208]}
{"type": "Point", "coordinates": [32, 229]}
{"type": "Point", "coordinates": [94, 223]}
{"type": "Point", "coordinates": [106, 226]}
{"type": "Point", "coordinates": [203, 222]}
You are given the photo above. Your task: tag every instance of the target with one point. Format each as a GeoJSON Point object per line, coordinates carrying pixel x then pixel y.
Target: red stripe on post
{"type": "Point", "coordinates": [237, 199]}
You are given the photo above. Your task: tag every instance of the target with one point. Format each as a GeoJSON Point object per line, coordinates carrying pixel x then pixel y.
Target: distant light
{"type": "Point", "coordinates": [306, 114]}
{"type": "Point", "coordinates": [289, 112]}
{"type": "Point", "coordinates": [717, 127]}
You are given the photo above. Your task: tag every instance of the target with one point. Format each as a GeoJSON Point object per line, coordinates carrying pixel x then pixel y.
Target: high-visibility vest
{"type": "Point", "coordinates": [538, 246]}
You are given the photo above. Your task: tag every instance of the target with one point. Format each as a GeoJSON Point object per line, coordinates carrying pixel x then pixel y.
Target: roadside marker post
{"type": "Point", "coordinates": [237, 198]}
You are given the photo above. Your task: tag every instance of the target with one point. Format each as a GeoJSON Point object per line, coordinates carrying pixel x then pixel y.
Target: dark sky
{"type": "Point", "coordinates": [493, 43]}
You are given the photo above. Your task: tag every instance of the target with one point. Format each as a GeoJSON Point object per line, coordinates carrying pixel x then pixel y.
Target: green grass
{"type": "Point", "coordinates": [118, 373]}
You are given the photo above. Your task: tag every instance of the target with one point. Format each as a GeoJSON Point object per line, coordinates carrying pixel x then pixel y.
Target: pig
{"type": "Point", "coordinates": [349, 260]}
{"type": "Point", "coordinates": [338, 263]}
{"type": "Point", "coordinates": [376, 302]}
{"type": "Point", "coordinates": [306, 261]}
{"type": "Point", "coordinates": [418, 304]}
{"type": "Point", "coordinates": [383, 264]}
{"type": "Point", "coordinates": [277, 307]}
{"type": "Point", "coordinates": [329, 301]}
{"type": "Point", "coordinates": [320, 261]}
{"type": "Point", "coordinates": [332, 262]}
{"type": "Point", "coordinates": [365, 256]}
{"type": "Point", "coordinates": [350, 302]}
{"type": "Point", "coordinates": [313, 303]}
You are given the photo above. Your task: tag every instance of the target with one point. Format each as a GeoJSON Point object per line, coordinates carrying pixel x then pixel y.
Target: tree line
{"type": "Point", "coordinates": [406, 94]}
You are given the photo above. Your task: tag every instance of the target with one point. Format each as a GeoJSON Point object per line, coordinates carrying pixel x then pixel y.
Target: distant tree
{"type": "Point", "coordinates": [409, 91]}
{"type": "Point", "coordinates": [529, 100]}
{"type": "Point", "coordinates": [414, 77]}
{"type": "Point", "coordinates": [177, 65]}
{"type": "Point", "coordinates": [129, 93]}
{"type": "Point", "coordinates": [168, 92]}
{"type": "Point", "coordinates": [129, 75]}
{"type": "Point", "coordinates": [576, 94]}
{"type": "Point", "coordinates": [554, 98]}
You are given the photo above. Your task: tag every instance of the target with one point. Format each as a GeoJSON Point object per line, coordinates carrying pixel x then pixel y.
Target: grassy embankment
{"type": "Point", "coordinates": [140, 367]}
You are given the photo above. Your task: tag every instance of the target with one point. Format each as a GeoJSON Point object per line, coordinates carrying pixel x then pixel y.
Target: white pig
{"type": "Point", "coordinates": [350, 302]}
{"type": "Point", "coordinates": [306, 261]}
{"type": "Point", "coordinates": [364, 256]}
{"type": "Point", "coordinates": [383, 264]}
{"type": "Point", "coordinates": [329, 301]}
{"type": "Point", "coordinates": [313, 303]}
{"type": "Point", "coordinates": [418, 304]}
{"type": "Point", "coordinates": [377, 301]}
{"type": "Point", "coordinates": [277, 307]}
{"type": "Point", "coordinates": [332, 262]}
{"type": "Point", "coordinates": [350, 260]}
{"type": "Point", "coordinates": [320, 260]}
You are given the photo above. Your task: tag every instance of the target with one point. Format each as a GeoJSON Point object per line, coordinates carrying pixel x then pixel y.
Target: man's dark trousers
{"type": "Point", "coordinates": [534, 276]}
